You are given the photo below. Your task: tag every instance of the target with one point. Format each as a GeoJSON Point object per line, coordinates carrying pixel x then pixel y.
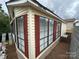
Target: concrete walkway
{"type": "Point", "coordinates": [61, 51]}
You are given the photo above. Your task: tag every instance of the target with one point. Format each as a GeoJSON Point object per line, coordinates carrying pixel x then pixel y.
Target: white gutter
{"type": "Point", "coordinates": [16, 2]}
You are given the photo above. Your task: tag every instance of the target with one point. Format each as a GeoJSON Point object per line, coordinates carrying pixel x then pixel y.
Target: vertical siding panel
{"type": "Point", "coordinates": [37, 35]}
{"type": "Point", "coordinates": [54, 30]}
{"type": "Point", "coordinates": [25, 36]}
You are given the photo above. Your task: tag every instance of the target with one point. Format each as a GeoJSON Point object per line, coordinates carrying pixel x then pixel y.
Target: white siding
{"type": "Point", "coordinates": [31, 31]}
{"type": "Point", "coordinates": [63, 29]}
{"type": "Point", "coordinates": [69, 26]}
{"type": "Point", "coordinates": [20, 11]}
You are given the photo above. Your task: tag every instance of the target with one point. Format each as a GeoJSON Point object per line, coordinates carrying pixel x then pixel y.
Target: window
{"type": "Point", "coordinates": [46, 32]}
{"type": "Point", "coordinates": [58, 29]}
{"type": "Point", "coordinates": [50, 31]}
{"type": "Point", "coordinates": [43, 33]}
{"type": "Point", "coordinates": [20, 32]}
{"type": "Point", "coordinates": [13, 31]}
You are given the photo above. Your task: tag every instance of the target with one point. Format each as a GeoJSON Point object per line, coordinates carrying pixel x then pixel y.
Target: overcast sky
{"type": "Point", "coordinates": [63, 8]}
{"type": "Point", "coordinates": [4, 5]}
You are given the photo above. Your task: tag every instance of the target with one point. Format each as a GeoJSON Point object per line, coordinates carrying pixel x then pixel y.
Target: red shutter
{"type": "Point", "coordinates": [37, 35]}
{"type": "Point", "coordinates": [54, 30]}
{"type": "Point", "coordinates": [25, 36]}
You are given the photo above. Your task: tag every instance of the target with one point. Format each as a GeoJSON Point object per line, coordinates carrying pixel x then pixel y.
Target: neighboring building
{"type": "Point", "coordinates": [76, 23]}
{"type": "Point", "coordinates": [69, 25]}
{"type": "Point", "coordinates": [63, 29]}
{"type": "Point", "coordinates": [37, 29]}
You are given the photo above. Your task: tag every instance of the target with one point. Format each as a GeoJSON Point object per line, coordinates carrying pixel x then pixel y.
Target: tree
{"type": "Point", "coordinates": [4, 22]}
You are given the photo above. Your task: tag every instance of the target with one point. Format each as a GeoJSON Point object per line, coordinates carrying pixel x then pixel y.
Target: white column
{"type": "Point", "coordinates": [31, 34]}
{"type": "Point", "coordinates": [15, 32]}
{"type": "Point", "coordinates": [4, 37]}
{"type": "Point", "coordinates": [10, 38]}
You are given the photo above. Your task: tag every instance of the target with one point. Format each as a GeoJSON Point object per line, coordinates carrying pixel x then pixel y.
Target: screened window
{"type": "Point", "coordinates": [43, 33]}
{"type": "Point", "coordinates": [50, 31]}
{"type": "Point", "coordinates": [46, 32]}
{"type": "Point", "coordinates": [58, 29]}
{"type": "Point", "coordinates": [20, 33]}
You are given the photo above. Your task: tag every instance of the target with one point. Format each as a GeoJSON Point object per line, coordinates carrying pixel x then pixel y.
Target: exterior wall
{"type": "Point", "coordinates": [48, 50]}
{"type": "Point", "coordinates": [63, 29]}
{"type": "Point", "coordinates": [69, 26]}
{"type": "Point", "coordinates": [31, 32]}
{"type": "Point", "coordinates": [31, 29]}
{"type": "Point", "coordinates": [18, 12]}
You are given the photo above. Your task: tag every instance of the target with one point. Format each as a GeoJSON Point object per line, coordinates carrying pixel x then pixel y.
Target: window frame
{"type": "Point", "coordinates": [58, 30]}
{"type": "Point", "coordinates": [48, 35]}
{"type": "Point", "coordinates": [18, 44]}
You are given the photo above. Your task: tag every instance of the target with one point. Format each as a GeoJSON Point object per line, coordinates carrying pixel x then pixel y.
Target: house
{"type": "Point", "coordinates": [69, 24]}
{"type": "Point", "coordinates": [37, 29]}
{"type": "Point", "coordinates": [63, 29]}
{"type": "Point", "coordinates": [76, 23]}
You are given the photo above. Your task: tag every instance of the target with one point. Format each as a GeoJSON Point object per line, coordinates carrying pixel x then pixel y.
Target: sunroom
{"type": "Point", "coordinates": [37, 30]}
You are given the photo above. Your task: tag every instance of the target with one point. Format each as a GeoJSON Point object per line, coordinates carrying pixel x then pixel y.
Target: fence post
{"type": "Point", "coordinates": [4, 37]}
{"type": "Point", "coordinates": [0, 37]}
{"type": "Point", "coordinates": [10, 38]}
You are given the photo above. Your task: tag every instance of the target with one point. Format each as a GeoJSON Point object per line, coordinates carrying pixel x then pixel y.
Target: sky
{"type": "Point", "coordinates": [4, 5]}
{"type": "Point", "coordinates": [63, 8]}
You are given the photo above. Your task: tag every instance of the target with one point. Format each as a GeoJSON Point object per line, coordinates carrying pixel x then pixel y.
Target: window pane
{"type": "Point", "coordinates": [50, 27]}
{"type": "Point", "coordinates": [41, 47]}
{"type": "Point", "coordinates": [41, 41]}
{"type": "Point", "coordinates": [45, 35]}
{"type": "Point", "coordinates": [20, 32]}
{"type": "Point", "coordinates": [45, 44]}
{"type": "Point", "coordinates": [50, 31]}
{"type": "Point", "coordinates": [50, 39]}
{"type": "Point", "coordinates": [43, 32]}
{"type": "Point", "coordinates": [23, 48]}
{"type": "Point", "coordinates": [58, 29]}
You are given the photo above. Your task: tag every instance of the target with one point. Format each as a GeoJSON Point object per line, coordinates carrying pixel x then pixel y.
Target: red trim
{"type": "Point", "coordinates": [54, 30]}
{"type": "Point", "coordinates": [48, 32]}
{"type": "Point", "coordinates": [25, 36]}
{"type": "Point", "coordinates": [60, 29]}
{"type": "Point", "coordinates": [37, 35]}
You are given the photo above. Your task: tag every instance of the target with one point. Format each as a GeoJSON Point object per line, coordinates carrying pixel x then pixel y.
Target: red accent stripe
{"type": "Point", "coordinates": [60, 29]}
{"type": "Point", "coordinates": [25, 36]}
{"type": "Point", "coordinates": [48, 32]}
{"type": "Point", "coordinates": [37, 35]}
{"type": "Point", "coordinates": [54, 30]}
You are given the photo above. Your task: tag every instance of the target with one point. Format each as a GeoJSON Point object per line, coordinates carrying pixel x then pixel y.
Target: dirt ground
{"type": "Point", "coordinates": [61, 51]}
{"type": "Point", "coordinates": [11, 52]}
